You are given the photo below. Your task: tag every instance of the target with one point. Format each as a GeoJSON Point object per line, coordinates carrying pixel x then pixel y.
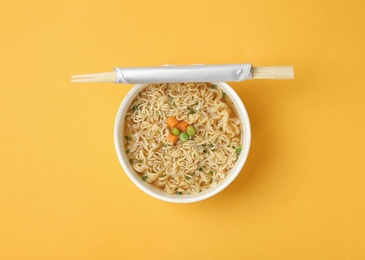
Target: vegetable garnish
{"type": "Point", "coordinates": [179, 193]}
{"type": "Point", "coordinates": [203, 146]}
{"type": "Point", "coordinates": [127, 151]}
{"type": "Point", "coordinates": [130, 160]}
{"type": "Point", "coordinates": [179, 129]}
{"type": "Point", "coordinates": [182, 126]}
{"type": "Point", "coordinates": [192, 112]}
{"type": "Point", "coordinates": [172, 138]}
{"type": "Point", "coordinates": [135, 108]}
{"type": "Point", "coordinates": [144, 177]}
{"type": "Point", "coordinates": [238, 150]}
{"type": "Point", "coordinates": [190, 130]}
{"type": "Point", "coordinates": [175, 131]}
{"type": "Point", "coordinates": [184, 137]}
{"type": "Point", "coordinates": [214, 86]}
{"type": "Point", "coordinates": [172, 122]}
{"type": "Point", "coordinates": [224, 95]}
{"type": "Point", "coordinates": [210, 172]}
{"type": "Point", "coordinates": [200, 169]}
{"type": "Point", "coordinates": [127, 137]}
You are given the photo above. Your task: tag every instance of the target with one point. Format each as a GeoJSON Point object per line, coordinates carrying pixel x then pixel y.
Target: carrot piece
{"type": "Point", "coordinates": [182, 126]}
{"type": "Point", "coordinates": [172, 138]}
{"type": "Point", "coordinates": [172, 122]}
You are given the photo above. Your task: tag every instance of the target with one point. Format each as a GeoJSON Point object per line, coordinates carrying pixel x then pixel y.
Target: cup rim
{"type": "Point", "coordinates": [160, 194]}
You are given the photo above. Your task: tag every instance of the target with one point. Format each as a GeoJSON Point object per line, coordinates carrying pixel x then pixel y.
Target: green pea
{"type": "Point", "coordinates": [191, 130]}
{"type": "Point", "coordinates": [184, 137]}
{"type": "Point", "coordinates": [175, 131]}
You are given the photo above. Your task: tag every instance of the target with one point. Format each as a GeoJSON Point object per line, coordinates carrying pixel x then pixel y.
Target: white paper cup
{"type": "Point", "coordinates": [158, 192]}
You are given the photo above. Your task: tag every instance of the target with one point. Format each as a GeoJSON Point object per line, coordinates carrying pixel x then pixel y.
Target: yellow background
{"type": "Point", "coordinates": [63, 193]}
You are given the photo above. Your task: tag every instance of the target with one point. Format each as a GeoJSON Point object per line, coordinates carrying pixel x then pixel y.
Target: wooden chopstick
{"type": "Point", "coordinates": [96, 77]}
{"type": "Point", "coordinates": [273, 72]}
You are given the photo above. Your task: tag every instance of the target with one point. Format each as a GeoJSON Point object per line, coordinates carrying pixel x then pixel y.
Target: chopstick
{"type": "Point", "coordinates": [96, 77]}
{"type": "Point", "coordinates": [273, 72]}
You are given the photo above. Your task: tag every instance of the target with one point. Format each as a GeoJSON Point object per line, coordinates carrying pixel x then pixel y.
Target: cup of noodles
{"type": "Point", "coordinates": [182, 142]}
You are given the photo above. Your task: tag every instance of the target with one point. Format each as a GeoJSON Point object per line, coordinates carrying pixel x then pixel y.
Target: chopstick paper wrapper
{"type": "Point", "coordinates": [189, 73]}
{"type": "Point", "coordinates": [192, 73]}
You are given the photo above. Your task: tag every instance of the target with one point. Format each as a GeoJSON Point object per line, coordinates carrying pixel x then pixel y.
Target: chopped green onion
{"type": "Point", "coordinates": [196, 103]}
{"type": "Point", "coordinates": [164, 145]}
{"type": "Point", "coordinates": [135, 108]}
{"type": "Point", "coordinates": [188, 178]}
{"type": "Point", "coordinates": [127, 151]}
{"type": "Point", "coordinates": [214, 86]}
{"type": "Point", "coordinates": [192, 112]}
{"type": "Point", "coordinates": [200, 169]}
{"type": "Point", "coordinates": [238, 150]}
{"type": "Point", "coordinates": [224, 95]}
{"type": "Point", "coordinates": [210, 172]}
{"type": "Point", "coordinates": [204, 151]}
{"type": "Point", "coordinates": [127, 137]}
{"type": "Point", "coordinates": [233, 147]}
{"type": "Point", "coordinates": [131, 160]}
{"type": "Point", "coordinates": [179, 193]}
{"type": "Point", "coordinates": [144, 178]}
